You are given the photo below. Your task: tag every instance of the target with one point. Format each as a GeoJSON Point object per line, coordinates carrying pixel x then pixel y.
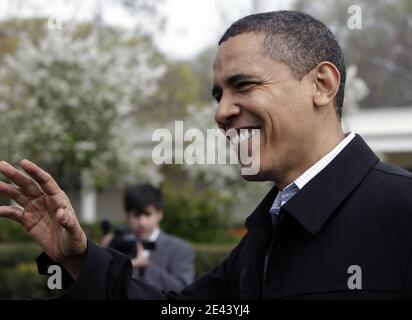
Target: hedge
{"type": "Point", "coordinates": [11, 231]}
{"type": "Point", "coordinates": [191, 225]}
{"type": "Point", "coordinates": [19, 278]}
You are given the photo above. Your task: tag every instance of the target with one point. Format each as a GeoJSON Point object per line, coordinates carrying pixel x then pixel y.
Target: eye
{"type": "Point", "coordinates": [244, 85]}
{"type": "Point", "coordinates": [217, 96]}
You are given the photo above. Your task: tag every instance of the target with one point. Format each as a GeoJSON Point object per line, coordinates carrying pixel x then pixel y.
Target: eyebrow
{"type": "Point", "coordinates": [232, 80]}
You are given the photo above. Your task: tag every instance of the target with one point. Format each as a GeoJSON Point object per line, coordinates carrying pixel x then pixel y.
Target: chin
{"type": "Point", "coordinates": [260, 176]}
{"type": "Point", "coordinates": [142, 235]}
{"type": "Point", "coordinates": [252, 177]}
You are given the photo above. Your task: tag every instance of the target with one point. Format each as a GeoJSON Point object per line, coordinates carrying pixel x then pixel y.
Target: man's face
{"type": "Point", "coordinates": [144, 223]}
{"type": "Point", "coordinates": [256, 92]}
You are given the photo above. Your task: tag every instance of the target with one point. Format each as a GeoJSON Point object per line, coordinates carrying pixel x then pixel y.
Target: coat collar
{"type": "Point", "coordinates": [313, 205]}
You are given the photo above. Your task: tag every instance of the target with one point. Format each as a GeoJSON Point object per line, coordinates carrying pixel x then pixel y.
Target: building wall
{"type": "Point", "coordinates": [109, 204]}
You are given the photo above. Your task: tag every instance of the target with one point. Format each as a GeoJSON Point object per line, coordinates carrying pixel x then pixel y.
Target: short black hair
{"type": "Point", "coordinates": [296, 39]}
{"type": "Point", "coordinates": [138, 197]}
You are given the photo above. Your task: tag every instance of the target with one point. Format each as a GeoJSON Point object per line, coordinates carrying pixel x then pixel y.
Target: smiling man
{"type": "Point", "coordinates": [337, 222]}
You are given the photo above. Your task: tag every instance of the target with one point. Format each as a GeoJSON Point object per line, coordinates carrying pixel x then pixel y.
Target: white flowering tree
{"type": "Point", "coordinates": [63, 100]}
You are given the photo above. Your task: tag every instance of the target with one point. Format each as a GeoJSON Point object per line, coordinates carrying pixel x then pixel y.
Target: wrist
{"type": "Point", "coordinates": [75, 265]}
{"type": "Point", "coordinates": [140, 263]}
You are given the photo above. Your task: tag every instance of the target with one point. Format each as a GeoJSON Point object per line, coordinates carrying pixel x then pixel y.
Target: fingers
{"type": "Point", "coordinates": [10, 212]}
{"type": "Point", "coordinates": [139, 251]}
{"type": "Point", "coordinates": [140, 247]}
{"type": "Point", "coordinates": [13, 193]}
{"type": "Point", "coordinates": [26, 184]}
{"type": "Point", "coordinates": [44, 179]}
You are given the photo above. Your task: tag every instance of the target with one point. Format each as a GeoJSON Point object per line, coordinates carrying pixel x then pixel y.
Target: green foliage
{"type": "Point", "coordinates": [22, 282]}
{"type": "Point", "coordinates": [12, 231]}
{"type": "Point", "coordinates": [19, 278]}
{"type": "Point", "coordinates": [380, 50]}
{"type": "Point", "coordinates": [202, 65]}
{"type": "Point", "coordinates": [20, 252]}
{"type": "Point", "coordinates": [177, 90]}
{"type": "Point", "coordinates": [18, 272]}
{"type": "Point", "coordinates": [93, 231]}
{"type": "Point", "coordinates": [198, 216]}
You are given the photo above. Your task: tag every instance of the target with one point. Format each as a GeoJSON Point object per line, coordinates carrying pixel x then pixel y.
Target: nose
{"type": "Point", "coordinates": [142, 220]}
{"type": "Point", "coordinates": [226, 111]}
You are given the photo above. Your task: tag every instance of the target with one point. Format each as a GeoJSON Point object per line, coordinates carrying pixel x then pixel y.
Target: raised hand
{"type": "Point", "coordinates": [46, 214]}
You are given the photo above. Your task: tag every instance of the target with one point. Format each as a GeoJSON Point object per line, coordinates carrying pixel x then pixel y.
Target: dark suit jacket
{"type": "Point", "coordinates": [171, 264]}
{"type": "Point", "coordinates": [357, 211]}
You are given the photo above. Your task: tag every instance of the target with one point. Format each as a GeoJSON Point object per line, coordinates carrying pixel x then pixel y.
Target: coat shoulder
{"type": "Point", "coordinates": [392, 170]}
{"type": "Point", "coordinates": [175, 242]}
{"type": "Point", "coordinates": [393, 178]}
{"type": "Point", "coordinates": [393, 185]}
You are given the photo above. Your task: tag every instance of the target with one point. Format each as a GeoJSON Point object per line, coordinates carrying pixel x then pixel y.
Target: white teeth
{"type": "Point", "coordinates": [254, 132]}
{"type": "Point", "coordinates": [244, 136]}
{"type": "Point", "coordinates": [235, 140]}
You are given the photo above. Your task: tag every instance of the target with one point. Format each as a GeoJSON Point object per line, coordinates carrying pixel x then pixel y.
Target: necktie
{"type": "Point", "coordinates": [149, 245]}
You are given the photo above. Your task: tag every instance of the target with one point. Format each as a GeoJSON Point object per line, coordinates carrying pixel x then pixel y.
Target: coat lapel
{"type": "Point", "coordinates": [259, 226]}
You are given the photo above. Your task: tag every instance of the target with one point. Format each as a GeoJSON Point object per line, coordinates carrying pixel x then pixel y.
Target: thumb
{"type": "Point", "coordinates": [66, 220]}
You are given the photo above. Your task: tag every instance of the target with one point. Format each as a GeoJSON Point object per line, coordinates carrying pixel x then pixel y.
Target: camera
{"type": "Point", "coordinates": [124, 239]}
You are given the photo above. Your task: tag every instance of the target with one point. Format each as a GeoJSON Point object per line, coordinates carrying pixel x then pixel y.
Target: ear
{"type": "Point", "coordinates": [326, 83]}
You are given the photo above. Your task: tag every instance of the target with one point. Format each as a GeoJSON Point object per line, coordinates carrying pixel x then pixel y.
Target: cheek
{"type": "Point", "coordinates": [158, 219]}
{"type": "Point", "coordinates": [261, 105]}
{"type": "Point", "coordinates": [135, 223]}
{"type": "Point", "coordinates": [272, 109]}
{"type": "Point", "coordinates": [295, 107]}
{"type": "Point", "coordinates": [151, 221]}
{"type": "Point", "coordinates": [303, 99]}
{"type": "Point", "coordinates": [285, 119]}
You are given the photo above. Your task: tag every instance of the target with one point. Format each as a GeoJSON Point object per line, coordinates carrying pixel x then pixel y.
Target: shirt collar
{"type": "Point", "coordinates": [154, 235]}
{"type": "Point", "coordinates": [322, 163]}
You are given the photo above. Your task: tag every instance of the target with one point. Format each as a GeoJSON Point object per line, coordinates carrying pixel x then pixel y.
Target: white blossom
{"type": "Point", "coordinates": [69, 94]}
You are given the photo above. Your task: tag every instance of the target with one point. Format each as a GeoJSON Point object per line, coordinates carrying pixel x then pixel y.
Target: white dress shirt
{"type": "Point", "coordinates": [153, 237]}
